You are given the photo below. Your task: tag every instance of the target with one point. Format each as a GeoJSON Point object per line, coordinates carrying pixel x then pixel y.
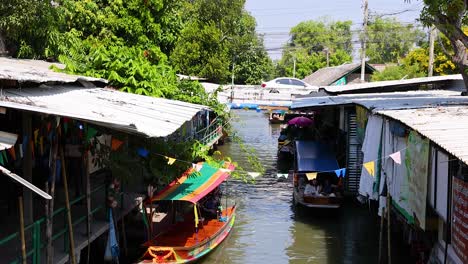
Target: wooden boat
{"type": "Point", "coordinates": [193, 236]}
{"type": "Point", "coordinates": [315, 160]}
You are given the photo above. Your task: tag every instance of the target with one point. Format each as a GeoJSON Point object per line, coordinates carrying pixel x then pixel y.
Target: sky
{"type": "Point", "coordinates": [276, 17]}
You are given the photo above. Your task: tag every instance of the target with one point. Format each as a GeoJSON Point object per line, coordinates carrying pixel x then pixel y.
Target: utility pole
{"type": "Point", "coordinates": [294, 67]}
{"type": "Point", "coordinates": [327, 53]}
{"type": "Point", "coordinates": [363, 41]}
{"type": "Point", "coordinates": [432, 36]}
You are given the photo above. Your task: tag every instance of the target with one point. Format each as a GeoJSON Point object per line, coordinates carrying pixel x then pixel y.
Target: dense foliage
{"type": "Point", "coordinates": [389, 40]}
{"type": "Point", "coordinates": [309, 44]}
{"type": "Point", "coordinates": [219, 39]}
{"type": "Point", "coordinates": [449, 17]}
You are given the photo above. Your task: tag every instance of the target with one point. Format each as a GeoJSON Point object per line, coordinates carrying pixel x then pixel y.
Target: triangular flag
{"type": "Point", "coordinates": [340, 172]}
{"type": "Point", "coordinates": [36, 134]}
{"type": "Point", "coordinates": [5, 157]}
{"type": "Point", "coordinates": [370, 167]}
{"type": "Point", "coordinates": [12, 152]}
{"type": "Point", "coordinates": [1, 160]}
{"type": "Point", "coordinates": [311, 175]}
{"type": "Point", "coordinates": [48, 127]}
{"type": "Point", "coordinates": [198, 167]}
{"type": "Point", "coordinates": [115, 144]}
{"type": "Point", "coordinates": [143, 152]}
{"type": "Point", "coordinates": [253, 174]}
{"type": "Point", "coordinates": [171, 161]}
{"type": "Point", "coordinates": [396, 157]}
{"type": "Point", "coordinates": [90, 133]}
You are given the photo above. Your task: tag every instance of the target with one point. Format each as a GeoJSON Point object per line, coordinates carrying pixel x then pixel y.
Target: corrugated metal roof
{"type": "Point", "coordinates": [391, 84]}
{"type": "Point", "coordinates": [329, 75]}
{"type": "Point", "coordinates": [395, 100]}
{"type": "Point", "coordinates": [38, 72]}
{"type": "Point", "coordinates": [446, 126]}
{"type": "Point", "coordinates": [149, 116]}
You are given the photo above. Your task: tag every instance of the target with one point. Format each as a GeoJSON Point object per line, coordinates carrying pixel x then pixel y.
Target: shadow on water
{"type": "Point", "coordinates": [269, 229]}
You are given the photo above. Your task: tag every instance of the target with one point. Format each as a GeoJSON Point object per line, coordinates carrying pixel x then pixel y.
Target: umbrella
{"type": "Point", "coordinates": [301, 121]}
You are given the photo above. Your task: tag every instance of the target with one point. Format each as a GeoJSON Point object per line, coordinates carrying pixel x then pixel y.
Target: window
{"type": "Point", "coordinates": [297, 82]}
{"type": "Point", "coordinates": [283, 81]}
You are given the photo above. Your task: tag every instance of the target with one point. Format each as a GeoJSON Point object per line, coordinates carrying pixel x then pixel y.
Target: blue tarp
{"type": "Point", "coordinates": [313, 156]}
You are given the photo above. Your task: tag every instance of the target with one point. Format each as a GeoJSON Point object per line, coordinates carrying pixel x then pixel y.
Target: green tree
{"type": "Point", "coordinates": [398, 73]}
{"type": "Point", "coordinates": [389, 40]}
{"type": "Point", "coordinates": [449, 18]}
{"type": "Point", "coordinates": [217, 35]}
{"type": "Point", "coordinates": [309, 43]}
{"type": "Point", "coordinates": [26, 25]}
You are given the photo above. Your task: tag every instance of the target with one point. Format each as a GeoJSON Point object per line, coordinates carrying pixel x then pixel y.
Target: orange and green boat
{"type": "Point", "coordinates": [186, 233]}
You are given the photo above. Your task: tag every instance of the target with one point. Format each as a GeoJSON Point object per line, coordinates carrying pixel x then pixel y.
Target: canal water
{"type": "Point", "coordinates": [269, 229]}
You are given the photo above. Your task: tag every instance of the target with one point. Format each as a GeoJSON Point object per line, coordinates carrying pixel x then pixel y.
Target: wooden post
{"type": "Point", "coordinates": [67, 204]}
{"type": "Point", "coordinates": [381, 235]}
{"type": "Point", "coordinates": [23, 240]}
{"type": "Point", "coordinates": [50, 218]}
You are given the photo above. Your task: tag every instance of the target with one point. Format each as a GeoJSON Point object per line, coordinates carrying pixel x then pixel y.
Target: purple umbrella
{"type": "Point", "coordinates": [301, 121]}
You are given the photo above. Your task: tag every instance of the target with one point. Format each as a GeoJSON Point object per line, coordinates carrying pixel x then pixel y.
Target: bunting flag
{"type": "Point", "coordinates": [198, 167]}
{"type": "Point", "coordinates": [115, 144]}
{"type": "Point", "coordinates": [311, 175]}
{"type": "Point", "coordinates": [12, 153]}
{"type": "Point", "coordinates": [370, 167]}
{"type": "Point", "coordinates": [41, 145]}
{"type": "Point", "coordinates": [253, 174]}
{"type": "Point", "coordinates": [21, 150]}
{"type": "Point", "coordinates": [171, 161]}
{"type": "Point", "coordinates": [36, 135]}
{"type": "Point", "coordinates": [396, 157]}
{"type": "Point", "coordinates": [90, 133]}
{"type": "Point", "coordinates": [341, 172]}
{"type": "Point", "coordinates": [48, 126]}
{"type": "Point", "coordinates": [195, 212]}
{"type": "Point", "coordinates": [24, 145]}
{"type": "Point", "coordinates": [282, 175]}
{"type": "Point", "coordinates": [142, 152]}
{"type": "Point", "coordinates": [1, 160]}
{"type": "Point", "coordinates": [5, 157]}
{"type": "Point", "coordinates": [32, 149]}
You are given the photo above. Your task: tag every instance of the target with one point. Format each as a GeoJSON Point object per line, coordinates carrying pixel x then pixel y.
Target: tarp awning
{"type": "Point", "coordinates": [193, 185]}
{"type": "Point", "coordinates": [313, 156]}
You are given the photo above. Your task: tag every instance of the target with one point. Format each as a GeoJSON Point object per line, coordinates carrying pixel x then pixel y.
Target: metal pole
{"type": "Point", "coordinates": [363, 41]}
{"type": "Point", "coordinates": [67, 204]}
{"type": "Point", "coordinates": [432, 36]}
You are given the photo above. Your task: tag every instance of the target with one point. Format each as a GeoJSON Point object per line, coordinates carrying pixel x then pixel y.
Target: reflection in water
{"type": "Point", "coordinates": [269, 229]}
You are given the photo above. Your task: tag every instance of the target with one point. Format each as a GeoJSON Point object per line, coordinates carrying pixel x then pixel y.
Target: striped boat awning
{"type": "Point", "coordinates": [194, 185]}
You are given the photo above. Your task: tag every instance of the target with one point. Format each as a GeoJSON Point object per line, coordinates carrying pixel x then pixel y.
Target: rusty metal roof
{"type": "Point", "coordinates": [144, 115]}
{"type": "Point", "coordinates": [447, 126]}
{"type": "Point", "coordinates": [37, 71]}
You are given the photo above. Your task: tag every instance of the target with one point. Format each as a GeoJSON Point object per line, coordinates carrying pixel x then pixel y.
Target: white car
{"type": "Point", "coordinates": [285, 83]}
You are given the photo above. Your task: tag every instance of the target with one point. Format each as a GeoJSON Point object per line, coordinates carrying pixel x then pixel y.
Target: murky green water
{"type": "Point", "coordinates": [269, 230]}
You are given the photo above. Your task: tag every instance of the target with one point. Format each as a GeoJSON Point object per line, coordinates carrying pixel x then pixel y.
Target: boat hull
{"type": "Point", "coordinates": [193, 253]}
{"type": "Point", "coordinates": [317, 202]}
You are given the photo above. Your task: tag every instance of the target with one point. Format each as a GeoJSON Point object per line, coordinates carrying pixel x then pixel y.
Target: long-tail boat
{"type": "Point", "coordinates": [186, 232]}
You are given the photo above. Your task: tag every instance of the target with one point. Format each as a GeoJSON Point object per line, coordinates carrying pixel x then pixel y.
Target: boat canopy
{"type": "Point", "coordinates": [194, 185]}
{"type": "Point", "coordinates": [314, 156]}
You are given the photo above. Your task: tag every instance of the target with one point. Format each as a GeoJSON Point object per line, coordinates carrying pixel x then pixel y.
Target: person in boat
{"type": "Point", "coordinates": [312, 188]}
{"type": "Point", "coordinates": [328, 189]}
{"type": "Point", "coordinates": [211, 204]}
